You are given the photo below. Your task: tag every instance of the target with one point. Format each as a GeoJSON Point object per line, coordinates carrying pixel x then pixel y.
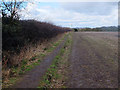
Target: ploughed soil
{"type": "Point", "coordinates": [94, 60]}
{"type": "Point", "coordinates": [31, 79]}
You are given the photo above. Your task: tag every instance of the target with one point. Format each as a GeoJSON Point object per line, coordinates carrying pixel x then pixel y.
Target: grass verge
{"type": "Point", "coordinates": [55, 77]}
{"type": "Point", "coordinates": [27, 65]}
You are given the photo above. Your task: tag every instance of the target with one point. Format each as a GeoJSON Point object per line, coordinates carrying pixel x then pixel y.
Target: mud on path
{"type": "Point", "coordinates": [32, 78]}
{"type": "Point", "coordinates": [94, 60]}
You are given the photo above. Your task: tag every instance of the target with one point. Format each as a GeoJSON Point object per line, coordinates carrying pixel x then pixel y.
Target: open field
{"type": "Point", "coordinates": [94, 60]}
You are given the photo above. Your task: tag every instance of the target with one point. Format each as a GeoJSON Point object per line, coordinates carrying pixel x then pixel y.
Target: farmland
{"type": "Point", "coordinates": [94, 60]}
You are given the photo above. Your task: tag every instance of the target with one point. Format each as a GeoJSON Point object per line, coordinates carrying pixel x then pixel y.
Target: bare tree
{"type": "Point", "coordinates": [10, 9]}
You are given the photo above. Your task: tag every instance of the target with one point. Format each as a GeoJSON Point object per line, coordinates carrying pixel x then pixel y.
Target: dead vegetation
{"type": "Point", "coordinates": [32, 34]}
{"type": "Point", "coordinates": [34, 38]}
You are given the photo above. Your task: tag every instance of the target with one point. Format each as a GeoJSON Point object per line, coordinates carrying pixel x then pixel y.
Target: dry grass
{"type": "Point", "coordinates": [28, 54]}
{"type": "Point", "coordinates": [29, 37]}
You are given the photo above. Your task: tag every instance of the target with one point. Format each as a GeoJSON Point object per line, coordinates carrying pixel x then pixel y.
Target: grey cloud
{"type": "Point", "coordinates": [92, 8]}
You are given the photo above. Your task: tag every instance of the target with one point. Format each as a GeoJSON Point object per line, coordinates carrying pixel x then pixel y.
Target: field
{"type": "Point", "coordinates": [94, 60]}
{"type": "Point", "coordinates": [79, 60]}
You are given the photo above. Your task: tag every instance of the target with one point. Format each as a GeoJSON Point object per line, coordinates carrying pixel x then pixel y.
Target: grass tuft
{"type": "Point", "coordinates": [52, 74]}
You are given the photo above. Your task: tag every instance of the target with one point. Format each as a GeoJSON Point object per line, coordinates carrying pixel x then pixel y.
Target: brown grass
{"type": "Point", "coordinates": [26, 54]}
{"type": "Point", "coordinates": [28, 40]}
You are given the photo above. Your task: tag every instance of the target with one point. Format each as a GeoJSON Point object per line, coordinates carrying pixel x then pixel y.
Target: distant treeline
{"type": "Point", "coordinates": [111, 28]}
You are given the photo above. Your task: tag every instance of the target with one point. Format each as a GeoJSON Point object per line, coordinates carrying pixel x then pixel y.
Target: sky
{"type": "Point", "coordinates": [73, 14]}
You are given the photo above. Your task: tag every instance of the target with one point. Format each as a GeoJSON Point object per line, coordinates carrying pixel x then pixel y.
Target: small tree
{"type": "Point", "coordinates": [76, 30]}
{"type": "Point", "coordinates": [10, 10]}
{"type": "Point", "coordinates": [10, 15]}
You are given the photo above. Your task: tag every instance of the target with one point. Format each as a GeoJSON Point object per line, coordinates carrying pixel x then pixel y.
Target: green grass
{"type": "Point", "coordinates": [24, 62]}
{"type": "Point", "coordinates": [56, 44]}
{"type": "Point", "coordinates": [42, 54]}
{"type": "Point", "coordinates": [53, 46]}
{"type": "Point", "coordinates": [52, 71]}
{"type": "Point", "coordinates": [12, 80]}
{"type": "Point", "coordinates": [33, 58]}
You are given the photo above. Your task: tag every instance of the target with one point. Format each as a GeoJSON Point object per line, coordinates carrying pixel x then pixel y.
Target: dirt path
{"type": "Point", "coordinates": [93, 61]}
{"type": "Point", "coordinates": [32, 78]}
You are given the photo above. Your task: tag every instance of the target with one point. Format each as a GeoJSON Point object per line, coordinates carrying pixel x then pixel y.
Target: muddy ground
{"type": "Point", "coordinates": [94, 60]}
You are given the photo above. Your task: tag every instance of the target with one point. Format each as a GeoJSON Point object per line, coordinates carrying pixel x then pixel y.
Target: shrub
{"type": "Point", "coordinates": [25, 32]}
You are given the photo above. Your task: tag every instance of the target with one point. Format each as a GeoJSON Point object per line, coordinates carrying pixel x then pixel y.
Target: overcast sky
{"type": "Point", "coordinates": [74, 14]}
